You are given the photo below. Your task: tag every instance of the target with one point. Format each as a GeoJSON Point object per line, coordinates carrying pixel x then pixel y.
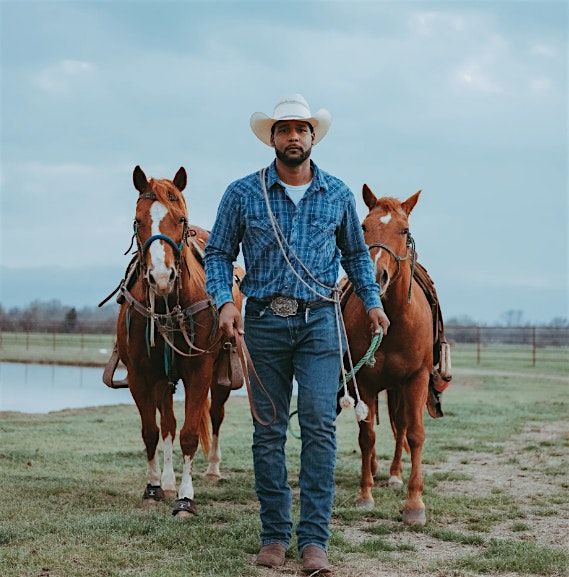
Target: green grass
{"type": "Point", "coordinates": [57, 348]}
{"type": "Point", "coordinates": [517, 556]}
{"type": "Point", "coordinates": [73, 482]}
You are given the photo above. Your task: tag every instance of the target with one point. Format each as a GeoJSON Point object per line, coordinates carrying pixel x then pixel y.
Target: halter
{"type": "Point", "coordinates": [410, 244]}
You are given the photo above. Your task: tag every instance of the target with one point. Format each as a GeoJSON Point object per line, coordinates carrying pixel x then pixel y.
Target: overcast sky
{"type": "Point", "coordinates": [464, 100]}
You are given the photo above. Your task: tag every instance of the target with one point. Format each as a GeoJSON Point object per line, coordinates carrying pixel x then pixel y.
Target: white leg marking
{"type": "Point", "coordinates": [214, 457]}
{"type": "Point", "coordinates": [186, 486]}
{"type": "Point", "coordinates": [395, 482]}
{"type": "Point", "coordinates": [386, 218]}
{"type": "Point", "coordinates": [153, 475]}
{"type": "Point", "coordinates": [168, 476]}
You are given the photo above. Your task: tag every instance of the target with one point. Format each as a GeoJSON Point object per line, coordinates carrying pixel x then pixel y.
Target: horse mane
{"type": "Point", "coordinates": [195, 270]}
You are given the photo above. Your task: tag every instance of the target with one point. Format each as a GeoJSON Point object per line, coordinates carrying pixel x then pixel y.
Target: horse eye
{"type": "Point", "coordinates": [405, 231]}
{"type": "Point", "coordinates": [364, 228]}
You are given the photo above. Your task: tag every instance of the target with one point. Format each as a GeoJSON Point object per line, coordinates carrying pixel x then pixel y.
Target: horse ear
{"type": "Point", "coordinates": [410, 203]}
{"type": "Point", "coordinates": [181, 179]}
{"type": "Point", "coordinates": [139, 179]}
{"type": "Point", "coordinates": [369, 198]}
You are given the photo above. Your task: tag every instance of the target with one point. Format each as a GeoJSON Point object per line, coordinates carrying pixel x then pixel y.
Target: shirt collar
{"type": "Point", "coordinates": [318, 182]}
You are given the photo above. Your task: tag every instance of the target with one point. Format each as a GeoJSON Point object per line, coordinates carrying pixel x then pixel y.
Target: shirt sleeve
{"type": "Point", "coordinates": [223, 247]}
{"type": "Point", "coordinates": [355, 257]}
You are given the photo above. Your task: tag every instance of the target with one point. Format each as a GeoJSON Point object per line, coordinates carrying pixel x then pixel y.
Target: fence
{"type": "Point", "coordinates": [493, 347]}
{"type": "Point", "coordinates": [504, 346]}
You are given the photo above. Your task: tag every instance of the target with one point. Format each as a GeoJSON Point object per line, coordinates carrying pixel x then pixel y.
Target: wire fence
{"type": "Point", "coordinates": [489, 346]}
{"type": "Point", "coordinates": [495, 346]}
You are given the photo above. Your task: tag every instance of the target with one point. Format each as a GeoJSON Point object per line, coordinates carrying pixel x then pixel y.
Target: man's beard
{"type": "Point", "coordinates": [293, 160]}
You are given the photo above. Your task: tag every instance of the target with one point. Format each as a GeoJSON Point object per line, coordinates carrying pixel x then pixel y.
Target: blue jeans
{"type": "Point", "coordinates": [304, 345]}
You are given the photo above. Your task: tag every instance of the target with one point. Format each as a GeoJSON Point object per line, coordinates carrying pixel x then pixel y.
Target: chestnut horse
{"type": "Point", "coordinates": [404, 360]}
{"type": "Point", "coordinates": [167, 330]}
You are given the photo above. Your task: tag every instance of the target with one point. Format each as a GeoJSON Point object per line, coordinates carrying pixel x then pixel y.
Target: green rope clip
{"type": "Point", "coordinates": [368, 359]}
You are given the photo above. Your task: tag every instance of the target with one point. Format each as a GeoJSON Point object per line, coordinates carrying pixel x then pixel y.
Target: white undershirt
{"type": "Point", "coordinates": [295, 193]}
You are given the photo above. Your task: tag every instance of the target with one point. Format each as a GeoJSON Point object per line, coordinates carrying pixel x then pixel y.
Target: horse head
{"type": "Point", "coordinates": [161, 228]}
{"type": "Point", "coordinates": [386, 232]}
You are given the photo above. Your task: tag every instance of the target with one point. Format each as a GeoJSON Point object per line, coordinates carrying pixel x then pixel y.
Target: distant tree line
{"type": "Point", "coordinates": [53, 316]}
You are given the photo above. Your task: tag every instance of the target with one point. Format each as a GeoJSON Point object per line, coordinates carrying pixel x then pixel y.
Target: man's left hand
{"type": "Point", "coordinates": [378, 319]}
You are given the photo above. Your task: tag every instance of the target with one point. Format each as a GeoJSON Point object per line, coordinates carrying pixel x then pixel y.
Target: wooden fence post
{"type": "Point", "coordinates": [477, 345]}
{"type": "Point", "coordinates": [533, 348]}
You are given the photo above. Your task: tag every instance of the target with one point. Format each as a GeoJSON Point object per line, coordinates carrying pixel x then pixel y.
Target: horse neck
{"type": "Point", "coordinates": [397, 293]}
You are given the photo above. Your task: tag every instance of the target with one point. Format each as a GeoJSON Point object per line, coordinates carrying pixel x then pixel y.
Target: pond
{"type": "Point", "coordinates": [33, 388]}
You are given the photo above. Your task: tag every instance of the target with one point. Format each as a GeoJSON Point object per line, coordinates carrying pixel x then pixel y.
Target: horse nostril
{"type": "Point", "coordinates": [384, 278]}
{"type": "Point", "coordinates": [151, 278]}
{"type": "Point", "coordinates": [172, 275]}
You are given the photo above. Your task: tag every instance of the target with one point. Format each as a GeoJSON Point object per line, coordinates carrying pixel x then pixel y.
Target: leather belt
{"type": "Point", "coordinates": [284, 306]}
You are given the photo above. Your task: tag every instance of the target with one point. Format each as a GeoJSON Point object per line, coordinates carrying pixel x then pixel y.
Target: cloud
{"type": "Point", "coordinates": [472, 76]}
{"type": "Point", "coordinates": [434, 23]}
{"type": "Point", "coordinates": [62, 77]}
{"type": "Point", "coordinates": [543, 50]}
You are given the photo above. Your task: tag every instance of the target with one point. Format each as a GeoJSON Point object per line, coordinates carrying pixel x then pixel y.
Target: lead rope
{"type": "Point", "coordinates": [361, 409]}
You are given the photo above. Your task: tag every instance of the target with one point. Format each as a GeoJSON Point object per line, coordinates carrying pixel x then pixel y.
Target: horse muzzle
{"type": "Point", "coordinates": [162, 281]}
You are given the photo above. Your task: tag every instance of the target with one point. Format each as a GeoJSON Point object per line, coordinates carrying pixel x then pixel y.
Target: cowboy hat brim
{"type": "Point", "coordinates": [261, 125]}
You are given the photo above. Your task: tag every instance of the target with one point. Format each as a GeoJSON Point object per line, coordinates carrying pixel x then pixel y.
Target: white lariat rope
{"type": "Point", "coordinates": [361, 409]}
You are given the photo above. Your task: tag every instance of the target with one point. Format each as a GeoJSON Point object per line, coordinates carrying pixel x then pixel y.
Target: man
{"type": "Point", "coordinates": [290, 328]}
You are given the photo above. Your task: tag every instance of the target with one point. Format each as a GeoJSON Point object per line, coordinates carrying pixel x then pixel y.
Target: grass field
{"type": "Point", "coordinates": [94, 350]}
{"type": "Point", "coordinates": [496, 493]}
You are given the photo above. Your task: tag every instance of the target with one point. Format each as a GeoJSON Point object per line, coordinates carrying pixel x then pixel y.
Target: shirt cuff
{"type": "Point", "coordinates": [222, 298]}
{"type": "Point", "coordinates": [372, 301]}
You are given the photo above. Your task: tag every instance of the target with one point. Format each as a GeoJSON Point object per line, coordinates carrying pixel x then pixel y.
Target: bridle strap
{"type": "Point", "coordinates": [177, 248]}
{"type": "Point", "coordinates": [399, 258]}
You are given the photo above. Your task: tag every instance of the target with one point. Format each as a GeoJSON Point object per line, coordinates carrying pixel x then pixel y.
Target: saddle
{"type": "Point", "coordinates": [441, 375]}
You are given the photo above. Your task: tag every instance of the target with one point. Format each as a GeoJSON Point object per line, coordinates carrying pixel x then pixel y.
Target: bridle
{"type": "Point", "coordinates": [411, 252]}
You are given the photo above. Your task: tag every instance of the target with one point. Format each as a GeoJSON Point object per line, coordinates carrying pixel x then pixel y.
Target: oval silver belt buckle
{"type": "Point", "coordinates": [284, 306]}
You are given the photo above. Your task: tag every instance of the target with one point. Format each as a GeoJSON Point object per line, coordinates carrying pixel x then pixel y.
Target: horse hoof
{"type": "Point", "coordinates": [395, 483]}
{"type": "Point", "coordinates": [170, 493]}
{"type": "Point", "coordinates": [416, 517]}
{"type": "Point", "coordinates": [153, 494]}
{"type": "Point", "coordinates": [150, 503]}
{"type": "Point", "coordinates": [184, 507]}
{"type": "Point", "coordinates": [365, 504]}
{"type": "Point", "coordinates": [213, 477]}
{"type": "Point", "coordinates": [182, 515]}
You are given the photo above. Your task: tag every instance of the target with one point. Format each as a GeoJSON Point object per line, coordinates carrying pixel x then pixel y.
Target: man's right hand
{"type": "Point", "coordinates": [230, 320]}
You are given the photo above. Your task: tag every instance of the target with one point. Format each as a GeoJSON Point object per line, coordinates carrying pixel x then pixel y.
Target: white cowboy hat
{"type": "Point", "coordinates": [292, 107]}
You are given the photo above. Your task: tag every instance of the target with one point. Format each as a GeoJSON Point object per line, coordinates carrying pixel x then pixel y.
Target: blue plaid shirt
{"type": "Point", "coordinates": [323, 230]}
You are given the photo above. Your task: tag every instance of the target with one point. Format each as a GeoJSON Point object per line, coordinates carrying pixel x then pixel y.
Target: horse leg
{"type": "Point", "coordinates": [219, 395]}
{"type": "Point", "coordinates": [415, 399]}
{"type": "Point", "coordinates": [168, 431]}
{"type": "Point", "coordinates": [194, 430]}
{"type": "Point", "coordinates": [143, 394]}
{"type": "Point", "coordinates": [373, 412]}
{"type": "Point", "coordinates": [396, 417]}
{"type": "Point", "coordinates": [366, 439]}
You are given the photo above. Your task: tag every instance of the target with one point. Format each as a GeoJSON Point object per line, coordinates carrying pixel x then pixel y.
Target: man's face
{"type": "Point", "coordinates": [292, 140]}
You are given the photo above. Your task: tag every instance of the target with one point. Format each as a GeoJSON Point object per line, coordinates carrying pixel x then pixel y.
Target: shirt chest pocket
{"type": "Point", "coordinates": [259, 233]}
{"type": "Point", "coordinates": [323, 232]}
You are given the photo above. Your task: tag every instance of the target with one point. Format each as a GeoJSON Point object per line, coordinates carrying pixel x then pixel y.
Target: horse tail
{"type": "Point", "coordinates": [204, 428]}
{"type": "Point", "coordinates": [394, 400]}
